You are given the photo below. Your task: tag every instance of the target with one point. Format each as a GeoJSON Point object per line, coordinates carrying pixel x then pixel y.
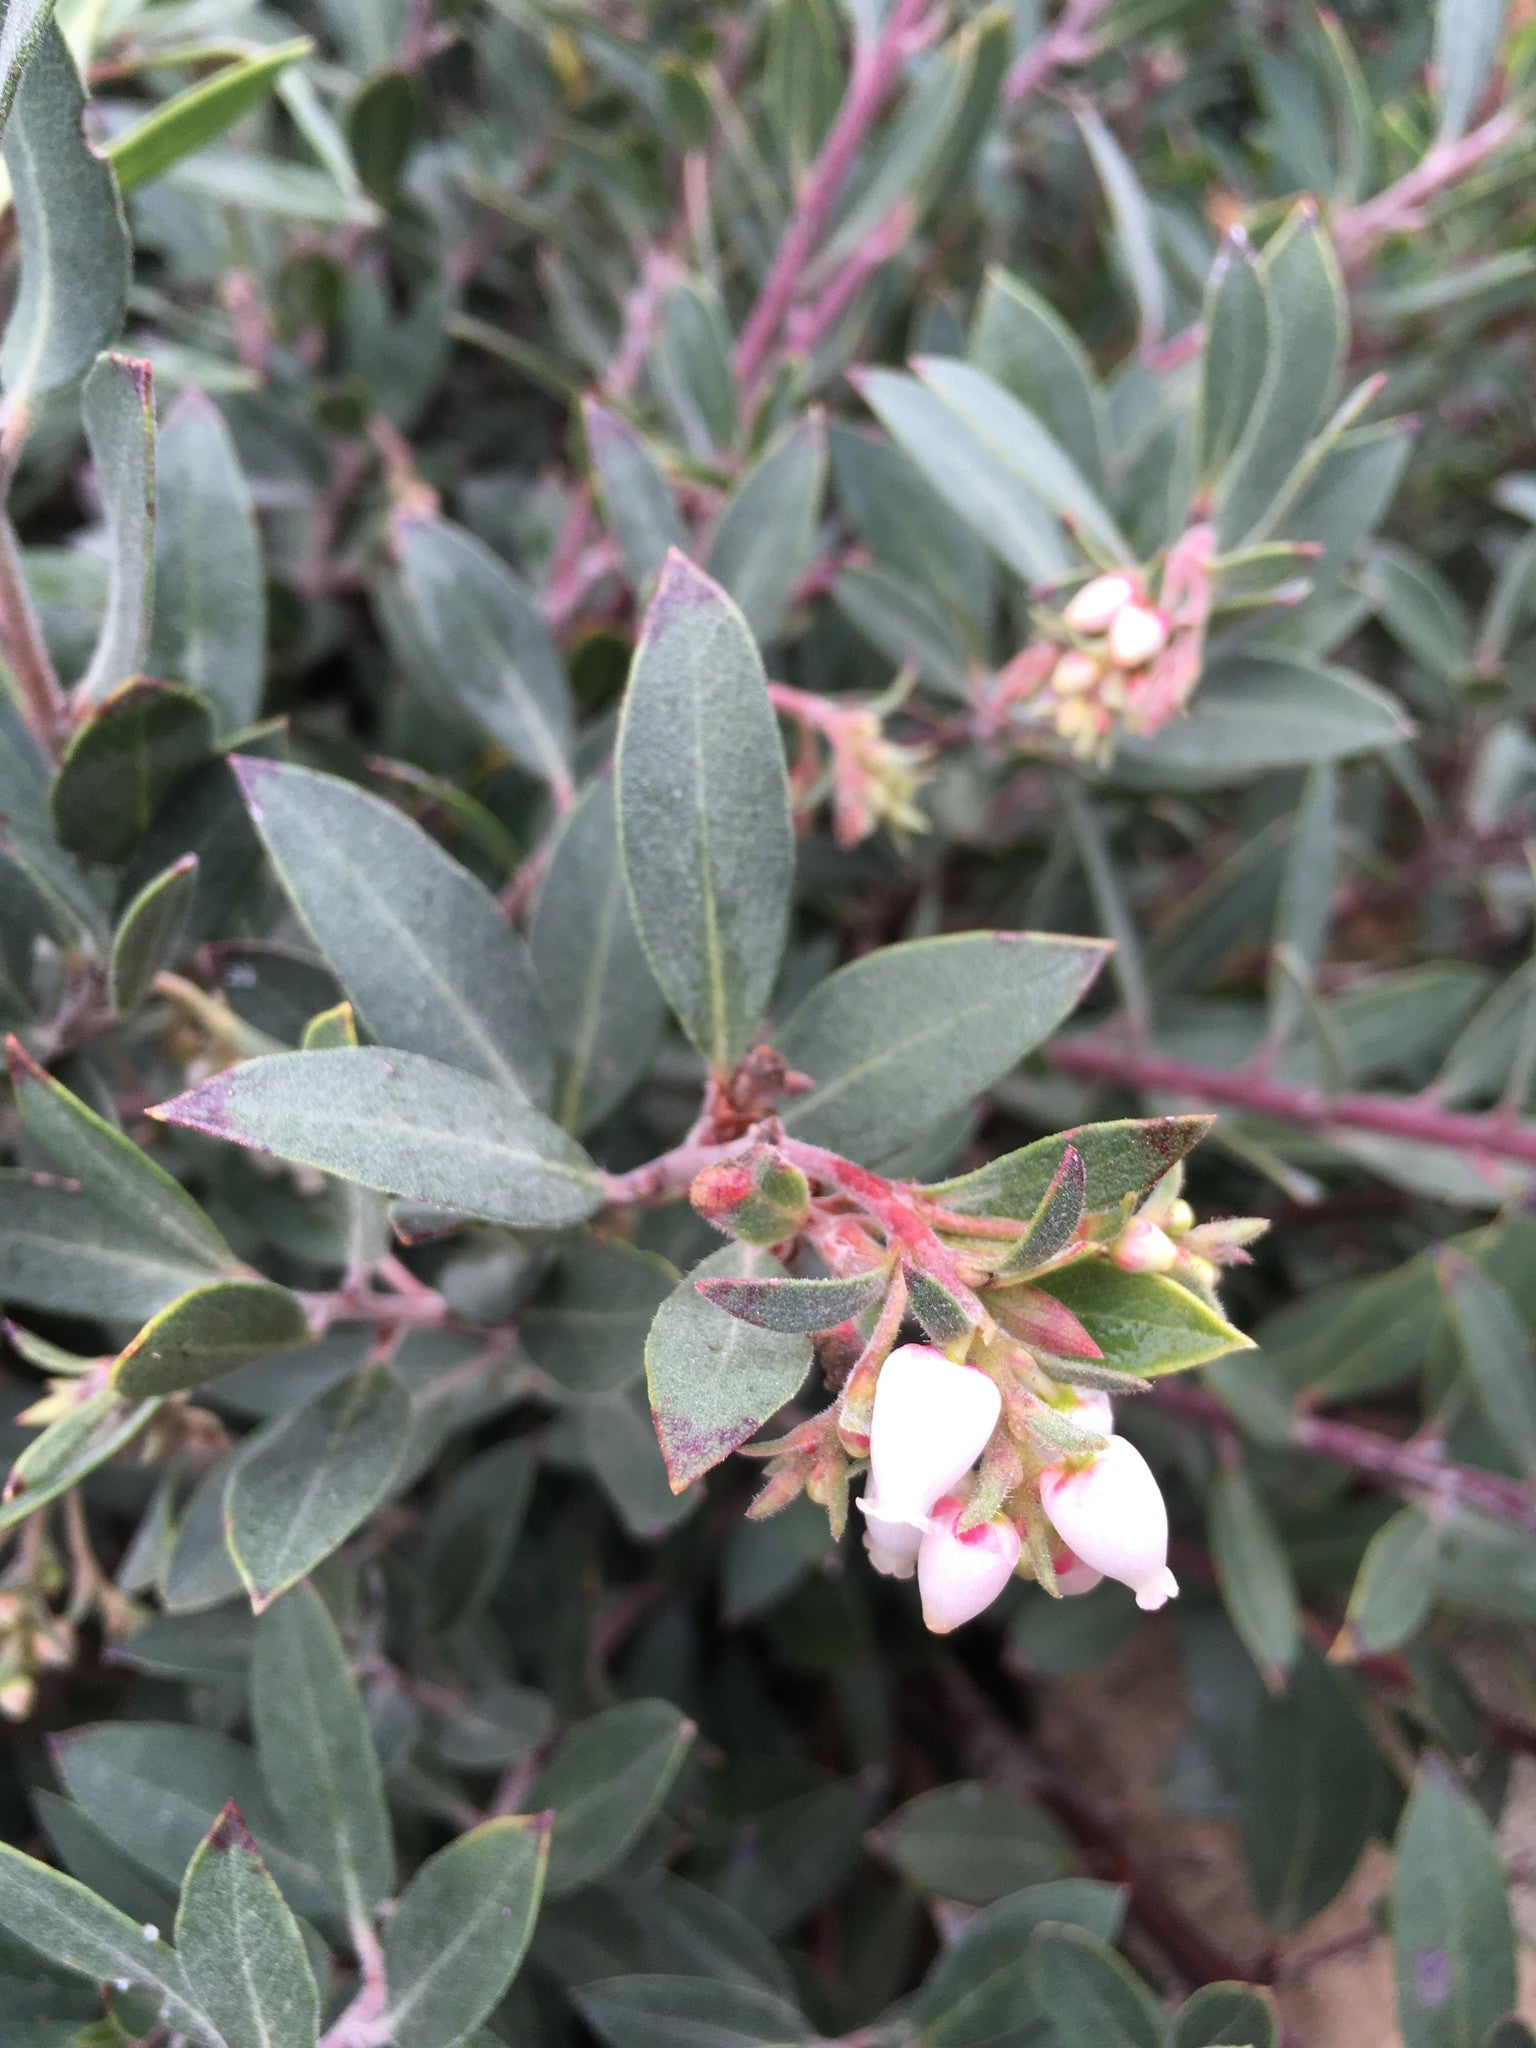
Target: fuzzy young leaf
{"type": "Point", "coordinates": [703, 808]}
{"type": "Point", "coordinates": [404, 1125]}
{"type": "Point", "coordinates": [241, 1948]}
{"type": "Point", "coordinates": [897, 1040]}
{"type": "Point", "coordinates": [458, 1936]}
{"type": "Point", "coordinates": [796, 1307]}
{"type": "Point", "coordinates": [714, 1381]}
{"type": "Point", "coordinates": [1119, 1159]}
{"type": "Point", "coordinates": [69, 224]}
{"type": "Point", "coordinates": [419, 943]}
{"type": "Point", "coordinates": [316, 1751]}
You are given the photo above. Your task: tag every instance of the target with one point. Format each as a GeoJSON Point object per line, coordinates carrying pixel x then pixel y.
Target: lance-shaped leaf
{"type": "Point", "coordinates": [123, 762]}
{"type": "Point", "coordinates": [797, 1307]}
{"type": "Point", "coordinates": [1232, 363]}
{"type": "Point", "coordinates": [149, 933]}
{"type": "Point", "coordinates": [112, 1171]}
{"type": "Point", "coordinates": [190, 120]}
{"type": "Point", "coordinates": [636, 499]}
{"type": "Point", "coordinates": [210, 624]}
{"type": "Point", "coordinates": [316, 1751]}
{"type": "Point", "coordinates": [1254, 1574]}
{"type": "Point", "coordinates": [1304, 1821]}
{"type": "Point", "coordinates": [1495, 1351]}
{"type": "Point", "coordinates": [767, 532]}
{"type": "Point", "coordinates": [456, 1941]}
{"type": "Point", "coordinates": [66, 1922]}
{"type": "Point", "coordinates": [1054, 1223]}
{"type": "Point", "coordinates": [605, 1009]}
{"type": "Point", "coordinates": [404, 1125]}
{"type": "Point", "coordinates": [1452, 1936]}
{"type": "Point", "coordinates": [605, 1783]}
{"type": "Point", "coordinates": [703, 807]}
{"type": "Point", "coordinates": [85, 1437]}
{"type": "Point", "coordinates": [70, 228]}
{"type": "Point", "coordinates": [419, 943]}
{"type": "Point", "coordinates": [211, 1330]}
{"type": "Point", "coordinates": [117, 408]}
{"type": "Point", "coordinates": [1119, 1159]}
{"type": "Point", "coordinates": [897, 1040]}
{"type": "Point", "coordinates": [240, 1947]}
{"type": "Point", "coordinates": [304, 1483]}
{"type": "Point", "coordinates": [1144, 1323]}
{"type": "Point", "coordinates": [1394, 1587]}
{"type": "Point", "coordinates": [714, 1381]}
{"type": "Point", "coordinates": [485, 641]}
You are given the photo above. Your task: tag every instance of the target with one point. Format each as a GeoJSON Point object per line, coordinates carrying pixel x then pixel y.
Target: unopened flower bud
{"type": "Point", "coordinates": [1180, 1217]}
{"type": "Point", "coordinates": [931, 1422]}
{"type": "Point", "coordinates": [1096, 604]}
{"type": "Point", "coordinates": [961, 1571]}
{"type": "Point", "coordinates": [761, 1198]}
{"type": "Point", "coordinates": [17, 1698]}
{"type": "Point", "coordinates": [1075, 672]}
{"type": "Point", "coordinates": [1144, 1247]}
{"type": "Point", "coordinates": [1137, 635]}
{"type": "Point", "coordinates": [1110, 1513]}
{"type": "Point", "coordinates": [1089, 1408]}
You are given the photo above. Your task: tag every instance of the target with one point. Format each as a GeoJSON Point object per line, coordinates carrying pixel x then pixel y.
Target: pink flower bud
{"type": "Point", "coordinates": [1110, 1512]}
{"type": "Point", "coordinates": [1092, 609]}
{"type": "Point", "coordinates": [961, 1571]}
{"type": "Point", "coordinates": [1075, 673]}
{"type": "Point", "coordinates": [1137, 634]}
{"type": "Point", "coordinates": [1144, 1247]}
{"type": "Point", "coordinates": [931, 1422]}
{"type": "Point", "coordinates": [892, 1545]}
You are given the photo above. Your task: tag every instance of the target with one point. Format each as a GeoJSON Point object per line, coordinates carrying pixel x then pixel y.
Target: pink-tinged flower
{"type": "Point", "coordinates": [1090, 1409]}
{"type": "Point", "coordinates": [1072, 1575]}
{"type": "Point", "coordinates": [1110, 1512]}
{"type": "Point", "coordinates": [961, 1571]}
{"type": "Point", "coordinates": [931, 1422]}
{"type": "Point", "coordinates": [1144, 1247]}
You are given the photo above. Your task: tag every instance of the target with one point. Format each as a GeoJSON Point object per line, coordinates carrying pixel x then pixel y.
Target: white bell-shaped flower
{"type": "Point", "coordinates": [892, 1544]}
{"type": "Point", "coordinates": [1091, 1408]}
{"type": "Point", "coordinates": [1137, 634]}
{"type": "Point", "coordinates": [930, 1424]}
{"type": "Point", "coordinates": [1072, 1575]}
{"type": "Point", "coordinates": [1110, 1512]}
{"type": "Point", "coordinates": [961, 1571]}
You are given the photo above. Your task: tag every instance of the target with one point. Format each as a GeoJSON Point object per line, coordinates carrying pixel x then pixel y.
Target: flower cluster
{"type": "Point", "coordinates": [933, 1419]}
{"type": "Point", "coordinates": [1116, 659]}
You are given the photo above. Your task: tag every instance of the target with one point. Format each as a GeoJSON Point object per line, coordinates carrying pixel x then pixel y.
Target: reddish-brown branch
{"type": "Point", "coordinates": [876, 68]}
{"type": "Point", "coordinates": [1068, 41]}
{"type": "Point", "coordinates": [1406, 1468]}
{"type": "Point", "coordinates": [21, 644]}
{"type": "Point", "coordinates": [1102, 1057]}
{"type": "Point", "coordinates": [1400, 208]}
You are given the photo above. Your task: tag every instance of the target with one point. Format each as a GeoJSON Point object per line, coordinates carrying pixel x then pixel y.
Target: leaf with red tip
{"type": "Point", "coordinates": [241, 1948]}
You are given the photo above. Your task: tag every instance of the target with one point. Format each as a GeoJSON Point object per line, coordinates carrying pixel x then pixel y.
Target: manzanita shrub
{"type": "Point", "coordinates": [765, 927]}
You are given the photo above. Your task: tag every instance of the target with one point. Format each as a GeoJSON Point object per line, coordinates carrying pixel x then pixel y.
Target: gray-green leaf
{"type": "Point", "coordinates": [241, 1948]}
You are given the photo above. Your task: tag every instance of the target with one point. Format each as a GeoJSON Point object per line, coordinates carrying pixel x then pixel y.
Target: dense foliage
{"type": "Point", "coordinates": [795, 728]}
